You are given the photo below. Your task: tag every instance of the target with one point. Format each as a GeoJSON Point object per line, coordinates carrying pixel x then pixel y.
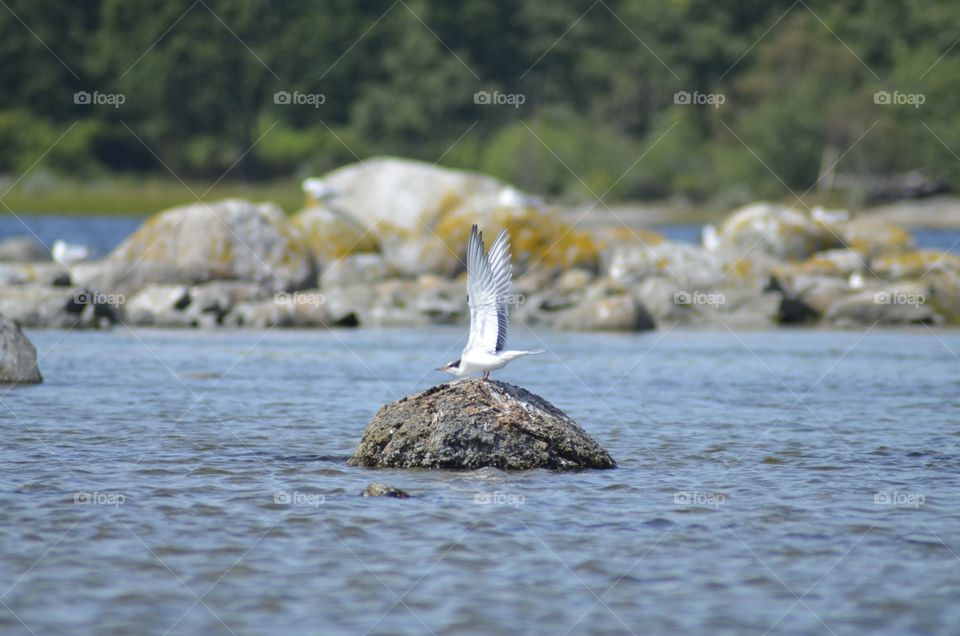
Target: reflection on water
{"type": "Point", "coordinates": [156, 468]}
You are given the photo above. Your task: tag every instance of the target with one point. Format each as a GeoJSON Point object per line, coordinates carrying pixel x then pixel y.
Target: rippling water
{"type": "Point", "coordinates": [183, 482]}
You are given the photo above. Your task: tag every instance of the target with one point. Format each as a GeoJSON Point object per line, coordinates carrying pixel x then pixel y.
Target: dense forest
{"type": "Point", "coordinates": [634, 98]}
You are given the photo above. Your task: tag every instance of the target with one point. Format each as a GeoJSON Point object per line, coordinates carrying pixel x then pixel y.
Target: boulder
{"type": "Point", "coordinates": [286, 309]}
{"type": "Point", "coordinates": [356, 269]}
{"type": "Point", "coordinates": [604, 306]}
{"type": "Point", "coordinates": [40, 306]}
{"type": "Point", "coordinates": [18, 356]}
{"type": "Point", "coordinates": [473, 423]}
{"type": "Point", "coordinates": [874, 237]}
{"type": "Point", "coordinates": [779, 231]}
{"type": "Point", "coordinates": [46, 273]}
{"type": "Point", "coordinates": [22, 249]}
{"type": "Point", "coordinates": [226, 240]}
{"type": "Point", "coordinates": [916, 264]}
{"type": "Point", "coordinates": [332, 234]}
{"type": "Point", "coordinates": [688, 266]}
{"type": "Point", "coordinates": [420, 215]}
{"type": "Point", "coordinates": [898, 304]}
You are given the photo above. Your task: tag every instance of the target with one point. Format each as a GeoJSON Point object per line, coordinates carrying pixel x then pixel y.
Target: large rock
{"type": "Point", "coordinates": [778, 231]}
{"type": "Point", "coordinates": [45, 273]}
{"type": "Point", "coordinates": [331, 233]}
{"type": "Point", "coordinates": [18, 356]}
{"type": "Point", "coordinates": [898, 304]}
{"type": "Point", "coordinates": [226, 240]}
{"type": "Point", "coordinates": [420, 215]}
{"type": "Point", "coordinates": [874, 237]}
{"type": "Point", "coordinates": [22, 249]}
{"type": "Point", "coordinates": [40, 306]}
{"type": "Point", "coordinates": [475, 423]}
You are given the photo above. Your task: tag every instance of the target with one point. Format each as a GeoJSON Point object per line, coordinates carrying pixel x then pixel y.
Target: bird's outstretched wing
{"type": "Point", "coordinates": [488, 288]}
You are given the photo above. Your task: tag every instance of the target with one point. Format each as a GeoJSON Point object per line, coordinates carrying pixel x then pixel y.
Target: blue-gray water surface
{"type": "Point", "coordinates": [778, 482]}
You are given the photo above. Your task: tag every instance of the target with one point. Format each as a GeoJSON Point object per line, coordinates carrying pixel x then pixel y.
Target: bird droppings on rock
{"type": "Point", "coordinates": [381, 490]}
{"type": "Point", "coordinates": [474, 423]}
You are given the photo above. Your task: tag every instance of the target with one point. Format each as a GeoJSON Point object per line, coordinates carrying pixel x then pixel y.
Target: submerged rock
{"type": "Point", "coordinates": [18, 356]}
{"type": "Point", "coordinates": [381, 490]}
{"type": "Point", "coordinates": [474, 423]}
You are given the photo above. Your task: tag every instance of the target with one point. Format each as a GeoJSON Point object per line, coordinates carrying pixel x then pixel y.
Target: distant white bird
{"type": "Point", "coordinates": [488, 294]}
{"type": "Point", "coordinates": [855, 281]}
{"type": "Point", "coordinates": [65, 253]}
{"type": "Point", "coordinates": [823, 215]}
{"type": "Point", "coordinates": [710, 238]}
{"type": "Point", "coordinates": [510, 197]}
{"type": "Point", "coordinates": [319, 190]}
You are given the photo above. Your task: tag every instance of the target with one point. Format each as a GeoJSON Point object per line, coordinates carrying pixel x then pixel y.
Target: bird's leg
{"type": "Point", "coordinates": [486, 375]}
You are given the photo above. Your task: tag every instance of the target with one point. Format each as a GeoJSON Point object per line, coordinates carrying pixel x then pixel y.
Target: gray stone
{"type": "Point", "coordinates": [896, 304]}
{"type": "Point", "coordinates": [18, 356]}
{"type": "Point", "coordinates": [47, 273]}
{"type": "Point", "coordinates": [225, 240]}
{"type": "Point", "coordinates": [22, 249]}
{"type": "Point", "coordinates": [40, 306]}
{"type": "Point", "coordinates": [382, 490]}
{"type": "Point", "coordinates": [356, 269]}
{"type": "Point", "coordinates": [473, 423]}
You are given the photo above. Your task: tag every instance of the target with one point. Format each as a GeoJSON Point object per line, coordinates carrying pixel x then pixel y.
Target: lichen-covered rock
{"type": "Point", "coordinates": [420, 215]}
{"type": "Point", "coordinates": [918, 264]}
{"type": "Point", "coordinates": [779, 231]}
{"type": "Point", "coordinates": [898, 304]}
{"type": "Point", "coordinates": [332, 234]}
{"type": "Point", "coordinates": [689, 266]}
{"type": "Point", "coordinates": [474, 423]}
{"type": "Point", "coordinates": [18, 356]}
{"type": "Point", "coordinates": [41, 306]}
{"type": "Point", "coordinates": [874, 237]}
{"type": "Point", "coordinates": [225, 240]}
{"type": "Point", "coordinates": [604, 306]}
{"type": "Point", "coordinates": [356, 269]}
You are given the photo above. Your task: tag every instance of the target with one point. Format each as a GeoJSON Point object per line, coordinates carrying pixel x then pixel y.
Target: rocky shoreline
{"type": "Point", "coordinates": [381, 244]}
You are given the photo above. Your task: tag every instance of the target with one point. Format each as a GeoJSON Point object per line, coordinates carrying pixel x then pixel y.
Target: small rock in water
{"type": "Point", "coordinates": [474, 423]}
{"type": "Point", "coordinates": [18, 356]}
{"type": "Point", "coordinates": [380, 490]}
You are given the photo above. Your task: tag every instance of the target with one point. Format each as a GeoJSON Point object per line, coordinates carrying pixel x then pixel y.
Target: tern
{"type": "Point", "coordinates": [488, 295]}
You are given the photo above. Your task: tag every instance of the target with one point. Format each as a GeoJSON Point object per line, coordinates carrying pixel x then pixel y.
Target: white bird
{"type": "Point", "coordinates": [819, 213]}
{"type": "Point", "coordinates": [318, 190]}
{"type": "Point", "coordinates": [488, 294]}
{"type": "Point", "coordinates": [510, 197]}
{"type": "Point", "coordinates": [710, 238]}
{"type": "Point", "coordinates": [65, 253]}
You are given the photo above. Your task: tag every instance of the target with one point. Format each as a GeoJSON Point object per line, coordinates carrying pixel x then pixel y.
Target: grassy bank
{"type": "Point", "coordinates": [126, 196]}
